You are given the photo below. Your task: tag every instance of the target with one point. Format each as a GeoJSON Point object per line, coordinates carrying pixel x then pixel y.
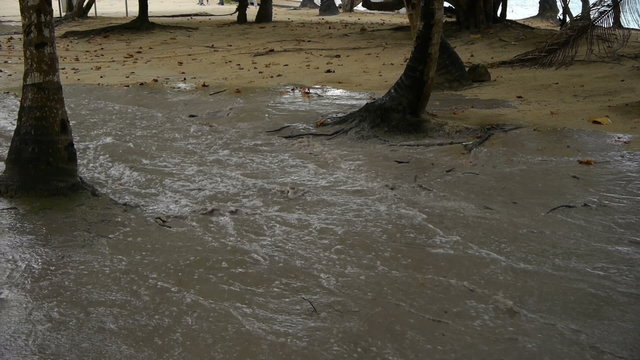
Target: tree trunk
{"type": "Point", "coordinates": [566, 13]}
{"type": "Point", "coordinates": [617, 15]}
{"type": "Point", "coordinates": [67, 6]}
{"type": "Point", "coordinates": [87, 8]}
{"type": "Point", "coordinates": [241, 18]}
{"type": "Point", "coordinates": [328, 8]}
{"type": "Point", "coordinates": [548, 9]}
{"type": "Point", "coordinates": [401, 108]}
{"type": "Point", "coordinates": [308, 4]}
{"type": "Point", "coordinates": [143, 11]}
{"type": "Point", "coordinates": [42, 157]}
{"type": "Point", "coordinates": [77, 9]}
{"type": "Point", "coordinates": [349, 5]}
{"type": "Point", "coordinates": [474, 14]}
{"type": "Point", "coordinates": [451, 73]}
{"type": "Point", "coordinates": [585, 14]}
{"type": "Point", "coordinates": [503, 10]}
{"type": "Point", "coordinates": [265, 12]}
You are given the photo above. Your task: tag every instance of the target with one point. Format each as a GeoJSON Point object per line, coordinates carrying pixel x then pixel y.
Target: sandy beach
{"type": "Point", "coordinates": [354, 51]}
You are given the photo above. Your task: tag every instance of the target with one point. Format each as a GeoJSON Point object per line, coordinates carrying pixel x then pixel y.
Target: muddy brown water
{"type": "Point", "coordinates": [380, 252]}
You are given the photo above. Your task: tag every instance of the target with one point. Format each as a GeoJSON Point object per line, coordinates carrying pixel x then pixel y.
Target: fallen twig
{"type": "Point", "coordinates": [469, 147]}
{"type": "Point", "coordinates": [310, 303]}
{"type": "Point", "coordinates": [162, 222]}
{"type": "Point", "coordinates": [278, 129]}
{"type": "Point", "coordinates": [217, 92]}
{"type": "Point", "coordinates": [331, 135]}
{"type": "Point", "coordinates": [446, 143]}
{"type": "Point", "coordinates": [561, 207]}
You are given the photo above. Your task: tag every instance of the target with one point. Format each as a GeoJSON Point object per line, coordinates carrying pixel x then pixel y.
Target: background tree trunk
{"type": "Point", "coordinates": [42, 155]}
{"type": "Point", "coordinates": [548, 9]}
{"type": "Point", "coordinates": [265, 12]}
{"type": "Point", "coordinates": [328, 8]}
{"type": "Point", "coordinates": [143, 11]}
{"type": "Point", "coordinates": [308, 4]}
{"type": "Point", "coordinates": [87, 7]}
{"type": "Point", "coordinates": [617, 14]}
{"type": "Point", "coordinates": [241, 18]}
{"type": "Point", "coordinates": [348, 5]}
{"type": "Point", "coordinates": [566, 12]}
{"type": "Point", "coordinates": [585, 14]}
{"type": "Point", "coordinates": [474, 14]}
{"type": "Point", "coordinates": [503, 10]}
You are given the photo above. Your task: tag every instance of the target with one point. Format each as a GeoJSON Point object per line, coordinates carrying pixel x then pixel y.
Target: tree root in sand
{"type": "Point", "coordinates": [364, 126]}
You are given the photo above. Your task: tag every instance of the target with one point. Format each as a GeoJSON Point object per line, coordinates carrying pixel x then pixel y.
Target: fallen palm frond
{"type": "Point", "coordinates": [600, 33]}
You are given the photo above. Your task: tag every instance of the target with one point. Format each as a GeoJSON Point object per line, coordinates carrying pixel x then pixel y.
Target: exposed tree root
{"type": "Point", "coordinates": [329, 135]}
{"type": "Point", "coordinates": [12, 188]}
{"type": "Point", "coordinates": [488, 132]}
{"type": "Point", "coordinates": [362, 125]}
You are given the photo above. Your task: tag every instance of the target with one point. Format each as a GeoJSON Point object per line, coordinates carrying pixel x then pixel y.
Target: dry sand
{"type": "Point", "coordinates": [357, 51]}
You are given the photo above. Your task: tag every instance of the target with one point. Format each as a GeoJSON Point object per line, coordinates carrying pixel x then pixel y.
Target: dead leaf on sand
{"type": "Point", "coordinates": [600, 120]}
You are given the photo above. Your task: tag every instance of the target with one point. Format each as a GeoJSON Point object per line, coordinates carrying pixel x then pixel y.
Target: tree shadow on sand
{"type": "Point", "coordinates": [136, 25]}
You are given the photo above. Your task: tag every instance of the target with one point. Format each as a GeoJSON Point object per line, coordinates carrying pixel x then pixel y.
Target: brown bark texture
{"type": "Point", "coordinates": [241, 18]}
{"type": "Point", "coordinates": [265, 12]}
{"type": "Point", "coordinates": [401, 108]}
{"type": "Point", "coordinates": [42, 156]}
{"type": "Point", "coordinates": [548, 9]}
{"type": "Point", "coordinates": [308, 4]}
{"type": "Point", "coordinates": [328, 8]}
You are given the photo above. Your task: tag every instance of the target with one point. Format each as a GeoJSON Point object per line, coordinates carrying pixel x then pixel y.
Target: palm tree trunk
{"type": "Point", "coordinates": [586, 10]}
{"type": "Point", "coordinates": [241, 18]}
{"type": "Point", "coordinates": [42, 155]}
{"type": "Point", "coordinates": [328, 8]}
{"type": "Point", "coordinates": [548, 9]}
{"type": "Point", "coordinates": [401, 108]}
{"type": "Point", "coordinates": [265, 12]}
{"type": "Point", "coordinates": [143, 11]}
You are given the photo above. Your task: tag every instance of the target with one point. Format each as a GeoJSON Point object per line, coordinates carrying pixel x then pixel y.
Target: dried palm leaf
{"type": "Point", "coordinates": [599, 35]}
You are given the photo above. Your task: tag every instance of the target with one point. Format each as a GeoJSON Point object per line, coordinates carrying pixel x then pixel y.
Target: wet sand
{"type": "Point", "coordinates": [359, 51]}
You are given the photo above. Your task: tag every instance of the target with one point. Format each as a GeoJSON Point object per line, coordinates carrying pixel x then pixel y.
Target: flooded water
{"type": "Point", "coordinates": [380, 252]}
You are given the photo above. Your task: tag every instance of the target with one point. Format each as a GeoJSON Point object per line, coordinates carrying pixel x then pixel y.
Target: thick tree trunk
{"type": "Point", "coordinates": [328, 8]}
{"type": "Point", "coordinates": [308, 4]}
{"type": "Point", "coordinates": [401, 108]}
{"type": "Point", "coordinates": [42, 156]}
{"type": "Point", "coordinates": [548, 9]}
{"type": "Point", "coordinates": [451, 73]}
{"type": "Point", "coordinates": [241, 18]}
{"type": "Point", "coordinates": [265, 12]}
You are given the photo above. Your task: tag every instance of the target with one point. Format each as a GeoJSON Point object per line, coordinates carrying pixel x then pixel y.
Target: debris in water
{"type": "Point", "coordinates": [310, 303]}
{"type": "Point", "coordinates": [586, 162]}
